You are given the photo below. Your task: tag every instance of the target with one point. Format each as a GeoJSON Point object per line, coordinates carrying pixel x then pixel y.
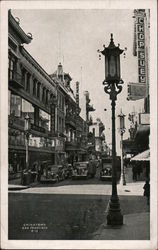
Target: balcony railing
{"type": "Point", "coordinates": [38, 128]}
{"type": "Point", "coordinates": [15, 79]}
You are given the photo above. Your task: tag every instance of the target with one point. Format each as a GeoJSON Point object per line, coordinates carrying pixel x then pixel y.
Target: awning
{"type": "Point", "coordinates": [144, 156]}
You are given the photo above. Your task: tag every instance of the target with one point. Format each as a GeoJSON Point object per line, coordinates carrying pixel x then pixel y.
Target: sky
{"type": "Point", "coordinates": [73, 37]}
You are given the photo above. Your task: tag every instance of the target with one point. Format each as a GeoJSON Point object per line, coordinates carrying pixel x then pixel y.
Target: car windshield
{"type": "Point", "coordinates": [54, 169]}
{"type": "Point", "coordinates": [107, 165]}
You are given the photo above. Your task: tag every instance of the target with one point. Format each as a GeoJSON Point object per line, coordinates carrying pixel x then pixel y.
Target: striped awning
{"type": "Point", "coordinates": [144, 156]}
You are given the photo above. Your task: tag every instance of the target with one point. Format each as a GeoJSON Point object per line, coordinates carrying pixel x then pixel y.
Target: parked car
{"type": "Point", "coordinates": [68, 171]}
{"type": "Point", "coordinates": [80, 170]}
{"type": "Point", "coordinates": [53, 173]}
{"type": "Point", "coordinates": [92, 166]}
{"type": "Point", "coordinates": [106, 168]}
{"type": "Point", "coordinates": [84, 170]}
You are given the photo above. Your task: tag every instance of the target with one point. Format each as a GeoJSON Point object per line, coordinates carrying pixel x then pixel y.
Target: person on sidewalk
{"type": "Point", "coordinates": [34, 172]}
{"type": "Point", "coordinates": [134, 171]}
{"type": "Point", "coordinates": [39, 172]}
{"type": "Point", "coordinates": [147, 191]}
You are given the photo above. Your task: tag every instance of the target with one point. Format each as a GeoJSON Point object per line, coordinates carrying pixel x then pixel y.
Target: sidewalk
{"type": "Point", "coordinates": [135, 227]}
{"type": "Point", "coordinates": [16, 185]}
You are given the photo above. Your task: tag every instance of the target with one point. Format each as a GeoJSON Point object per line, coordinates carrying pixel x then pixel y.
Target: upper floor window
{"type": "Point", "coordinates": [47, 92]}
{"type": "Point", "coordinates": [15, 105]}
{"type": "Point", "coordinates": [63, 103]}
{"type": "Point", "coordinates": [34, 87]}
{"type": "Point", "coordinates": [12, 67]}
{"type": "Point", "coordinates": [44, 120]}
{"type": "Point", "coordinates": [27, 108]}
{"type": "Point", "coordinates": [28, 78]}
{"type": "Point", "coordinates": [23, 76]}
{"type": "Point", "coordinates": [38, 89]}
{"type": "Point", "coordinates": [43, 94]}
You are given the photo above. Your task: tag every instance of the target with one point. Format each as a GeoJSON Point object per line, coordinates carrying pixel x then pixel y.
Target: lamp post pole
{"type": "Point", "coordinates": [27, 118]}
{"type": "Point", "coordinates": [122, 131]}
{"type": "Point", "coordinates": [113, 86]}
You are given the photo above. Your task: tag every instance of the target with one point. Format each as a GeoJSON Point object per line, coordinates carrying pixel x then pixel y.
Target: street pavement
{"type": "Point", "coordinates": [77, 209]}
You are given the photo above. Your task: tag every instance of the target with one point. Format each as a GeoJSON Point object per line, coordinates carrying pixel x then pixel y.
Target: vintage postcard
{"type": "Point", "coordinates": [79, 124]}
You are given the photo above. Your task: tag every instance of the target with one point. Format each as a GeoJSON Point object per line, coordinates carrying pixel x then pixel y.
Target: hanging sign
{"type": "Point", "coordinates": [140, 37]}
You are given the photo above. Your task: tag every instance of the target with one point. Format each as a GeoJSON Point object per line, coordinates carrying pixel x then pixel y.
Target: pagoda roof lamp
{"type": "Point", "coordinates": [113, 86]}
{"type": "Point", "coordinates": [122, 122]}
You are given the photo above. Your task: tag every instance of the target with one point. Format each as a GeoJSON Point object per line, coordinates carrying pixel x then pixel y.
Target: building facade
{"type": "Point", "coordinates": [56, 131]}
{"type": "Point", "coordinates": [139, 130]}
{"type": "Point", "coordinates": [30, 92]}
{"type": "Point", "coordinates": [96, 129]}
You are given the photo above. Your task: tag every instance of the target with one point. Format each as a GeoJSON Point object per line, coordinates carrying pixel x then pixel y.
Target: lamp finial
{"type": "Point", "coordinates": [111, 37]}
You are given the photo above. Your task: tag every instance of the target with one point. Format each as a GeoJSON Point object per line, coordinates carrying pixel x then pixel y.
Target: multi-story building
{"type": "Point", "coordinates": [140, 121]}
{"type": "Point", "coordinates": [31, 92]}
{"type": "Point", "coordinates": [97, 129]}
{"type": "Point", "coordinates": [86, 108]}
{"type": "Point", "coordinates": [56, 129]}
{"type": "Point", "coordinates": [70, 126]}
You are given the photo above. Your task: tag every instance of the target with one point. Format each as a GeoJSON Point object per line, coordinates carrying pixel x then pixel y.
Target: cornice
{"type": "Point", "coordinates": [14, 24]}
{"type": "Point", "coordinates": [32, 61]}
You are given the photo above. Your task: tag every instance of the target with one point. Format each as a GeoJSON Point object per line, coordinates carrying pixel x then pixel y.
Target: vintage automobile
{"type": "Point", "coordinates": [86, 169]}
{"type": "Point", "coordinates": [106, 172]}
{"type": "Point", "coordinates": [92, 166]}
{"type": "Point", "coordinates": [80, 170]}
{"type": "Point", "coordinates": [53, 173]}
{"type": "Point", "coordinates": [68, 171]}
{"type": "Point", "coordinates": [106, 168]}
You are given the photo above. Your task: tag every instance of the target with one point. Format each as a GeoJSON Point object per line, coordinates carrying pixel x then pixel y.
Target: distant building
{"type": "Point", "coordinates": [97, 129]}
{"type": "Point", "coordinates": [69, 123]}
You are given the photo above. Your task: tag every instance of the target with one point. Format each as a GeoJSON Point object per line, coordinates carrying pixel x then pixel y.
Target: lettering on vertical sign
{"type": "Point", "coordinates": [141, 49]}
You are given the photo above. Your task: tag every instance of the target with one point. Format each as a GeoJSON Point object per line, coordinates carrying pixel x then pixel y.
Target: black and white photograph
{"type": "Point", "coordinates": [79, 125]}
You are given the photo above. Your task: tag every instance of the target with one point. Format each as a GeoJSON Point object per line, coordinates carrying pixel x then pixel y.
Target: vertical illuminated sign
{"type": "Point", "coordinates": [140, 37]}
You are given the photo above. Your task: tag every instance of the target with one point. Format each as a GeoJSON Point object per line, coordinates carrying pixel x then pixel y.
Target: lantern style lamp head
{"type": "Point", "coordinates": [122, 122]}
{"type": "Point", "coordinates": [112, 62]}
{"type": "Point", "coordinates": [27, 122]}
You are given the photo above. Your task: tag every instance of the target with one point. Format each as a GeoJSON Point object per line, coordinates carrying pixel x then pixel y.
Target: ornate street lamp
{"type": "Point", "coordinates": [113, 86]}
{"type": "Point", "coordinates": [122, 130]}
{"type": "Point", "coordinates": [27, 129]}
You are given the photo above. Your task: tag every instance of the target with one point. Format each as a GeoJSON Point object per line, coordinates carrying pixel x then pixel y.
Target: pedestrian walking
{"type": "Point", "coordinates": [147, 191]}
{"type": "Point", "coordinates": [138, 172]}
{"type": "Point", "coordinates": [39, 172]}
{"type": "Point", "coordinates": [134, 170]}
{"type": "Point", "coordinates": [34, 171]}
